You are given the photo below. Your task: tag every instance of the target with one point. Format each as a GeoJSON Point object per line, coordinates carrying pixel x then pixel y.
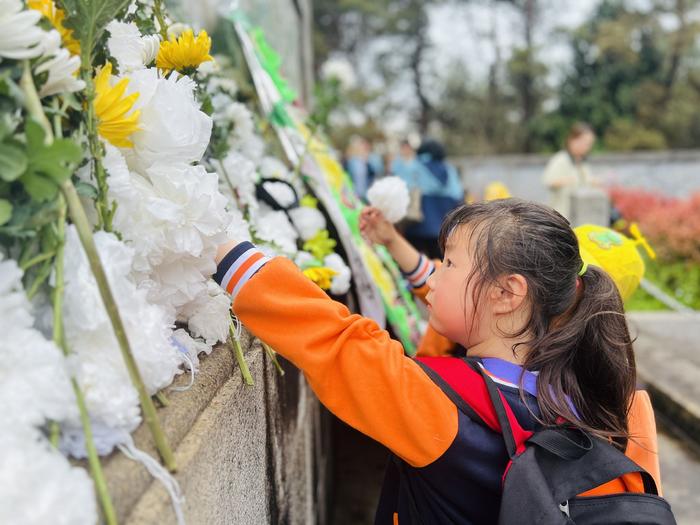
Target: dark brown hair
{"type": "Point", "coordinates": [577, 129]}
{"type": "Point", "coordinates": [577, 333]}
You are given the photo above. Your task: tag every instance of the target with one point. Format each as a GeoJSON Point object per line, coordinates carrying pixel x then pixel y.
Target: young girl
{"type": "Point", "coordinates": [512, 289]}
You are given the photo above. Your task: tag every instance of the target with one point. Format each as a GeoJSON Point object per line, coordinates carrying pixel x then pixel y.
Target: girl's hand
{"type": "Point", "coordinates": [375, 228]}
{"type": "Point", "coordinates": [224, 249]}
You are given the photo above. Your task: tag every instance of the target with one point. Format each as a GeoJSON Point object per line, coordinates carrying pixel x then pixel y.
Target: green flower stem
{"type": "Point", "coordinates": [32, 101]}
{"type": "Point", "coordinates": [158, 11]}
{"type": "Point", "coordinates": [234, 195]}
{"type": "Point", "coordinates": [238, 353]}
{"type": "Point", "coordinates": [54, 433]}
{"type": "Point", "coordinates": [105, 210]}
{"type": "Point", "coordinates": [40, 278]}
{"type": "Point", "coordinates": [36, 260]}
{"type": "Point", "coordinates": [59, 338]}
{"type": "Point", "coordinates": [77, 214]}
{"type": "Point", "coordinates": [162, 398]}
{"type": "Point", "coordinates": [80, 220]}
{"type": "Point", "coordinates": [273, 357]}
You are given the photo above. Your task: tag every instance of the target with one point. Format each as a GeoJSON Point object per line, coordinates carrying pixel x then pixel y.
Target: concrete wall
{"type": "Point", "coordinates": [675, 173]}
{"type": "Point", "coordinates": [245, 454]}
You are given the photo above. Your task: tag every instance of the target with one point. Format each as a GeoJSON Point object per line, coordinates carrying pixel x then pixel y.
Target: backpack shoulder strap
{"type": "Point", "coordinates": [514, 435]}
{"type": "Point", "coordinates": [449, 391]}
{"type": "Point", "coordinates": [464, 382]}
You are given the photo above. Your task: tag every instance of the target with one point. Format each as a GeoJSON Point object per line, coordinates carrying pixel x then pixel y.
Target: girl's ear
{"type": "Point", "coordinates": [509, 294]}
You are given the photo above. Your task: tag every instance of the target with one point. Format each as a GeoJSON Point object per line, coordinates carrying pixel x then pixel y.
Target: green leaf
{"type": "Point", "coordinates": [39, 188]}
{"type": "Point", "coordinates": [86, 189]}
{"type": "Point", "coordinates": [88, 19]}
{"type": "Point", "coordinates": [5, 211]}
{"type": "Point", "coordinates": [55, 161]}
{"type": "Point", "coordinates": [13, 162]}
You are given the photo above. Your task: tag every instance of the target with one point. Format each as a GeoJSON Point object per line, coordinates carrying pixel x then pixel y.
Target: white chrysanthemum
{"type": "Point", "coordinates": [208, 68]}
{"type": "Point", "coordinates": [238, 229]}
{"type": "Point", "coordinates": [215, 82]}
{"type": "Point", "coordinates": [275, 228]}
{"type": "Point", "coordinates": [242, 118]}
{"type": "Point", "coordinates": [176, 29]}
{"type": "Point", "coordinates": [307, 221]}
{"type": "Point", "coordinates": [304, 260]}
{"type": "Point", "coordinates": [341, 70]}
{"type": "Point", "coordinates": [62, 68]}
{"type": "Point", "coordinates": [129, 48]}
{"type": "Point", "coordinates": [239, 172]}
{"type": "Point", "coordinates": [97, 360]}
{"type": "Point", "coordinates": [174, 217]}
{"type": "Point", "coordinates": [208, 316]}
{"type": "Point", "coordinates": [341, 280]}
{"type": "Point", "coordinates": [173, 129]}
{"type": "Point", "coordinates": [20, 36]}
{"type": "Point", "coordinates": [39, 485]}
{"type": "Point", "coordinates": [283, 195]}
{"type": "Point", "coordinates": [188, 201]}
{"type": "Point", "coordinates": [390, 195]}
{"type": "Point", "coordinates": [14, 307]}
{"type": "Point", "coordinates": [34, 382]}
{"type": "Point", "coordinates": [273, 168]}
{"type": "Point", "coordinates": [190, 346]}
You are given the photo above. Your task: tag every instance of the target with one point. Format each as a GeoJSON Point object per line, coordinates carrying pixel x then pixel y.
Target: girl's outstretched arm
{"type": "Point", "coordinates": [354, 367]}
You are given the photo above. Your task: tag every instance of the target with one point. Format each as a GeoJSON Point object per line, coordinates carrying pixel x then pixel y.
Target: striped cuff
{"type": "Point", "coordinates": [420, 274]}
{"type": "Point", "coordinates": [239, 265]}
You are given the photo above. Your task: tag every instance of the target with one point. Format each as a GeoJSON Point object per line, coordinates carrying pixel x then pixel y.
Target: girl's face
{"type": "Point", "coordinates": [450, 303]}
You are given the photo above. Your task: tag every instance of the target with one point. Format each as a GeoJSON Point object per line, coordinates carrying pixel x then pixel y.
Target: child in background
{"type": "Point", "coordinates": [512, 289]}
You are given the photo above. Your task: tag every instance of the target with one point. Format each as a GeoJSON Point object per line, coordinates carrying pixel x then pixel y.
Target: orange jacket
{"type": "Point", "coordinates": [357, 371]}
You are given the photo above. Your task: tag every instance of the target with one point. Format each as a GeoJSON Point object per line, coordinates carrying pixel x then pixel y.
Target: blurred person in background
{"type": "Point", "coordinates": [441, 191]}
{"type": "Point", "coordinates": [356, 163]}
{"type": "Point", "coordinates": [569, 169]}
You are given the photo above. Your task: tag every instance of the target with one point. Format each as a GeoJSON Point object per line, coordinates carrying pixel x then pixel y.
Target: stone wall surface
{"type": "Point", "coordinates": [674, 173]}
{"type": "Point", "coordinates": [245, 454]}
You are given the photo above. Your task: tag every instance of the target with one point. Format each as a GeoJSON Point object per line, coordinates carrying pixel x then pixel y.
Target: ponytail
{"type": "Point", "coordinates": [586, 361]}
{"type": "Point", "coordinates": [577, 336]}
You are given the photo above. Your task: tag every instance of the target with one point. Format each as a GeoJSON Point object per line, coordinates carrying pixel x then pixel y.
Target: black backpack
{"type": "Point", "coordinates": [550, 467]}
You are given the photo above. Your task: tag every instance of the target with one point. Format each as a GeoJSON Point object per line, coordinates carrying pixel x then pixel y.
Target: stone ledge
{"type": "Point", "coordinates": [245, 454]}
{"type": "Point", "coordinates": [668, 361]}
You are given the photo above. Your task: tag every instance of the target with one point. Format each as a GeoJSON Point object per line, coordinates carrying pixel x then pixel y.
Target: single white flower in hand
{"type": "Point", "coordinates": [390, 196]}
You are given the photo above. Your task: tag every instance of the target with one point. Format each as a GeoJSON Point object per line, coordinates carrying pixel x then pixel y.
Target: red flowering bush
{"type": "Point", "coordinates": [671, 225]}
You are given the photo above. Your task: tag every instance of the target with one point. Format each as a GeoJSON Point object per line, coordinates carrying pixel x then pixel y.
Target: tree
{"type": "Point", "coordinates": [350, 27]}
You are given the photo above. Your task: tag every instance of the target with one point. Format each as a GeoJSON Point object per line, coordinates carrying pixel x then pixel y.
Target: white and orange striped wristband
{"type": "Point", "coordinates": [418, 276]}
{"type": "Point", "coordinates": [238, 266]}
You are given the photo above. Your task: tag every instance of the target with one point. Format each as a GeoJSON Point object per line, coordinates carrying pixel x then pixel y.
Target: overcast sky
{"type": "Point", "coordinates": [461, 32]}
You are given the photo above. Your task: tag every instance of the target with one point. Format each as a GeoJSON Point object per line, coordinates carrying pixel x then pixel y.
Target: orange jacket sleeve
{"type": "Point", "coordinates": [358, 372]}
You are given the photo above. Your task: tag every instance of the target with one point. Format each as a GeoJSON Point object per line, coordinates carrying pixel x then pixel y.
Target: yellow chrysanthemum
{"type": "Point", "coordinates": [320, 245]}
{"type": "Point", "coordinates": [111, 108]}
{"type": "Point", "coordinates": [322, 276]}
{"type": "Point", "coordinates": [56, 16]}
{"type": "Point", "coordinates": [184, 52]}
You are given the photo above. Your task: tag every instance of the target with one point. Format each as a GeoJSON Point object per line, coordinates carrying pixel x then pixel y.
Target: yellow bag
{"type": "Point", "coordinates": [615, 253]}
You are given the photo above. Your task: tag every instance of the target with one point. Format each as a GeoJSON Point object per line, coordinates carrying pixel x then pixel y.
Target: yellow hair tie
{"type": "Point", "coordinates": [583, 269]}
